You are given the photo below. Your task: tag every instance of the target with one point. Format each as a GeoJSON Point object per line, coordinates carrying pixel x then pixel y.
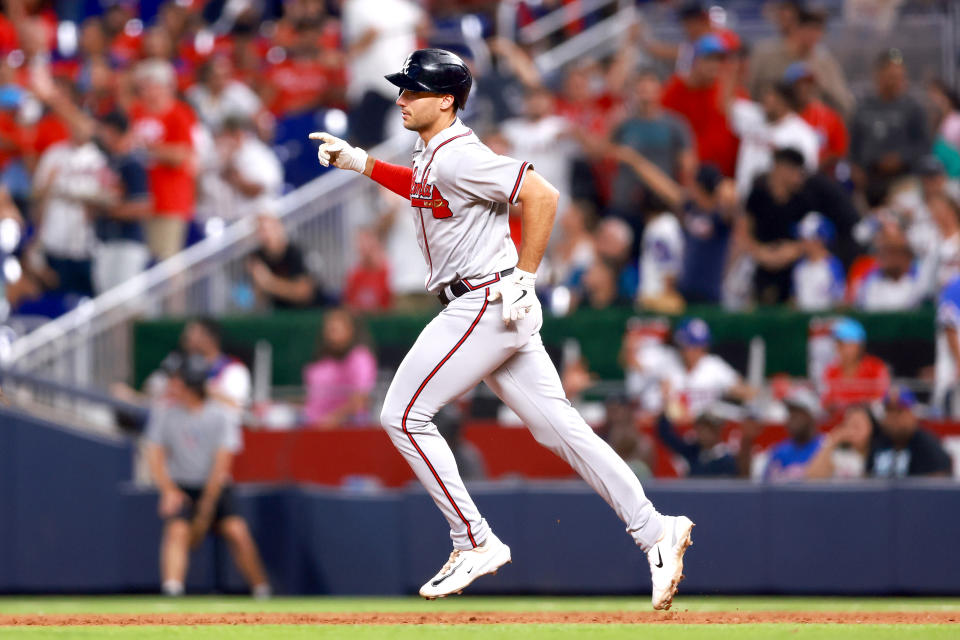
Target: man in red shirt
{"type": "Point", "coordinates": [368, 283]}
{"type": "Point", "coordinates": [854, 377]}
{"type": "Point", "coordinates": [830, 127]}
{"type": "Point", "coordinates": [697, 98]}
{"type": "Point", "coordinates": [163, 126]}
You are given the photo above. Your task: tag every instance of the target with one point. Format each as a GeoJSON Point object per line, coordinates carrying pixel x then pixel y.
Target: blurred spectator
{"type": "Point", "coordinates": [854, 377]}
{"type": "Point", "coordinates": [888, 132]}
{"type": "Point", "coordinates": [789, 459]}
{"type": "Point", "coordinates": [945, 212]}
{"type": "Point", "coordinates": [228, 379]}
{"type": "Point", "coordinates": [702, 378]}
{"type": "Point", "coordinates": [945, 112]}
{"type": "Point", "coordinates": [191, 442]}
{"type": "Point", "coordinates": [767, 126]}
{"type": "Point", "coordinates": [542, 138]}
{"type": "Point", "coordinates": [831, 130]}
{"type": "Point", "coordinates": [599, 288]}
{"type": "Point", "coordinates": [646, 359]}
{"type": "Point", "coordinates": [368, 284]}
{"type": "Point", "coordinates": [307, 76]}
{"type": "Point", "coordinates": [379, 34]}
{"type": "Point", "coordinates": [947, 367]}
{"type": "Point", "coordinates": [773, 208]}
{"type": "Point", "coordinates": [801, 41]}
{"type": "Point", "coordinates": [247, 179]}
{"type": "Point", "coordinates": [339, 382]}
{"type": "Point", "coordinates": [278, 270]}
{"type": "Point", "coordinates": [573, 250]}
{"type": "Point", "coordinates": [496, 92]}
{"type": "Point", "coordinates": [894, 284]}
{"type": "Point", "coordinates": [122, 253]}
{"type": "Point", "coordinates": [902, 448]}
{"type": "Point", "coordinates": [162, 126]}
{"type": "Point", "coordinates": [68, 182]}
{"type": "Point", "coordinates": [218, 96]}
{"type": "Point", "coordinates": [776, 204]}
{"type": "Point", "coordinates": [818, 277]}
{"type": "Point", "coordinates": [660, 136]}
{"type": "Point", "coordinates": [612, 242]}
{"type": "Point", "coordinates": [695, 20]}
{"type": "Point", "coordinates": [706, 453]}
{"type": "Point", "coordinates": [697, 98]}
{"type": "Point", "coordinates": [706, 211]}
{"type": "Point", "coordinates": [620, 430]}
{"type": "Point", "coordinates": [661, 258]}
{"type": "Point", "coordinates": [844, 450]}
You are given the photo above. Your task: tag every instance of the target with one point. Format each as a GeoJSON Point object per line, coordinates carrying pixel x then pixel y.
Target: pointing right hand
{"type": "Point", "coordinates": [339, 153]}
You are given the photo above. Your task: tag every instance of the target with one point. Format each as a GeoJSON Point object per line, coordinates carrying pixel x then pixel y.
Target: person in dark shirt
{"type": "Point", "coordinates": [776, 204]}
{"type": "Point", "coordinates": [122, 253]}
{"type": "Point", "coordinates": [888, 132]}
{"type": "Point", "coordinates": [902, 448]}
{"type": "Point", "coordinates": [277, 269]}
{"type": "Point", "coordinates": [706, 453]}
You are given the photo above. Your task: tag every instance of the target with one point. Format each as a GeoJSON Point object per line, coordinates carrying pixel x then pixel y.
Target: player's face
{"type": "Point", "coordinates": [419, 109]}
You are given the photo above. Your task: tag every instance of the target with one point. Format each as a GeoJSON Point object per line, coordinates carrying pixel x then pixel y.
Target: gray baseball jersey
{"type": "Point", "coordinates": [191, 439]}
{"type": "Point", "coordinates": [460, 195]}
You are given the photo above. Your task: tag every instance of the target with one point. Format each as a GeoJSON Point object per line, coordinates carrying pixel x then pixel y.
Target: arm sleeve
{"type": "Point", "coordinates": [486, 176]}
{"type": "Point", "coordinates": [674, 442]}
{"type": "Point", "coordinates": [393, 176]}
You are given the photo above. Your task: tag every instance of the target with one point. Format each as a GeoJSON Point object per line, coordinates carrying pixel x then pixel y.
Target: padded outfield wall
{"type": "Point", "coordinates": [70, 521]}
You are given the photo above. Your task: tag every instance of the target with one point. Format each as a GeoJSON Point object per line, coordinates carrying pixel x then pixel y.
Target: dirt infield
{"type": "Point", "coordinates": [493, 617]}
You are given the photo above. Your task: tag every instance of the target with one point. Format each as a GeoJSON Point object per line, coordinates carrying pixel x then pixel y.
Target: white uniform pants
{"type": "Point", "coordinates": [466, 343]}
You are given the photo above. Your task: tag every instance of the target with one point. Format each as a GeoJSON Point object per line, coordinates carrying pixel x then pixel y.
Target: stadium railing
{"type": "Point", "coordinates": [91, 345]}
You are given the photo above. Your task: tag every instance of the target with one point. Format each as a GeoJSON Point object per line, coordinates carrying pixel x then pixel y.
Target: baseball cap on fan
{"type": "Point", "coordinates": [815, 225]}
{"type": "Point", "coordinates": [803, 399]}
{"type": "Point", "coordinates": [693, 332]}
{"type": "Point", "coordinates": [899, 397]}
{"type": "Point", "coordinates": [848, 330]}
{"type": "Point", "coordinates": [710, 45]}
{"type": "Point", "coordinates": [796, 72]}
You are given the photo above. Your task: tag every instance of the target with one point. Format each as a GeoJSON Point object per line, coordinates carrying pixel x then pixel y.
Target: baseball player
{"type": "Point", "coordinates": [459, 192]}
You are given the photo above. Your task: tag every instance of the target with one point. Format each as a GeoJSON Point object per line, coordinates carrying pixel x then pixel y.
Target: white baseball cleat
{"type": "Point", "coordinates": [666, 559]}
{"type": "Point", "coordinates": [465, 566]}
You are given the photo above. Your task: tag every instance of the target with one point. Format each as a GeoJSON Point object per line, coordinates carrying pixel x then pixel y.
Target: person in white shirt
{"type": "Point", "coordinates": [70, 178]}
{"type": "Point", "coordinates": [248, 176]}
{"type": "Point", "coordinates": [702, 378]}
{"type": "Point", "coordinates": [218, 96]}
{"type": "Point", "coordinates": [661, 260]}
{"type": "Point", "coordinates": [378, 34]}
{"type": "Point", "coordinates": [894, 284]}
{"type": "Point", "coordinates": [766, 126]}
{"type": "Point", "coordinates": [543, 138]}
{"type": "Point", "coordinates": [818, 277]}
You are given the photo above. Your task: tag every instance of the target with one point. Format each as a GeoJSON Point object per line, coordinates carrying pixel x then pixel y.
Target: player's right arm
{"type": "Point", "coordinates": [342, 155]}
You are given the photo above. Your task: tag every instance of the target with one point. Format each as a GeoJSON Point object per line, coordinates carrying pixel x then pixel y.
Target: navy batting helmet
{"type": "Point", "coordinates": [436, 71]}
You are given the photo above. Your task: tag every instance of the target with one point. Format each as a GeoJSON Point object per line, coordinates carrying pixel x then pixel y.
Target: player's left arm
{"type": "Point", "coordinates": [538, 200]}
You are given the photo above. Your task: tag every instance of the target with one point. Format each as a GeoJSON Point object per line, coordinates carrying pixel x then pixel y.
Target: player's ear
{"type": "Point", "coordinates": [448, 102]}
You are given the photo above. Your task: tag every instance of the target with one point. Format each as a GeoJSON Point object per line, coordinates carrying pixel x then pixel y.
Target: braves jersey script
{"type": "Point", "coordinates": [460, 195]}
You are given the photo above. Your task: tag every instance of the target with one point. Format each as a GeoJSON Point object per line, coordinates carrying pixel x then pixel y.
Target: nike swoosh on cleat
{"type": "Point", "coordinates": [659, 564]}
{"type": "Point", "coordinates": [437, 582]}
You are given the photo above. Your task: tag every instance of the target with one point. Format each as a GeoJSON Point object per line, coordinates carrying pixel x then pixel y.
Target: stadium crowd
{"type": "Point", "coordinates": [713, 171]}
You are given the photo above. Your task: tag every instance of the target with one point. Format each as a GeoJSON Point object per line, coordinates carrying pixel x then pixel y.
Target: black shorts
{"type": "Point", "coordinates": [226, 505]}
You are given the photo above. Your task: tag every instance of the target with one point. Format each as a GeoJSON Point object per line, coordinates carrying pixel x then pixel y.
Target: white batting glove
{"type": "Point", "coordinates": [339, 153]}
{"type": "Point", "coordinates": [517, 293]}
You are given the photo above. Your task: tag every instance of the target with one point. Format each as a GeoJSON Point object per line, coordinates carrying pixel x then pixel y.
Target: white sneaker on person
{"type": "Point", "coordinates": [666, 559]}
{"type": "Point", "coordinates": [465, 566]}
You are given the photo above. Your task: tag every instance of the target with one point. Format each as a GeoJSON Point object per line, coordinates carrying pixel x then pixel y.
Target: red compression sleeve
{"type": "Point", "coordinates": [392, 176]}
